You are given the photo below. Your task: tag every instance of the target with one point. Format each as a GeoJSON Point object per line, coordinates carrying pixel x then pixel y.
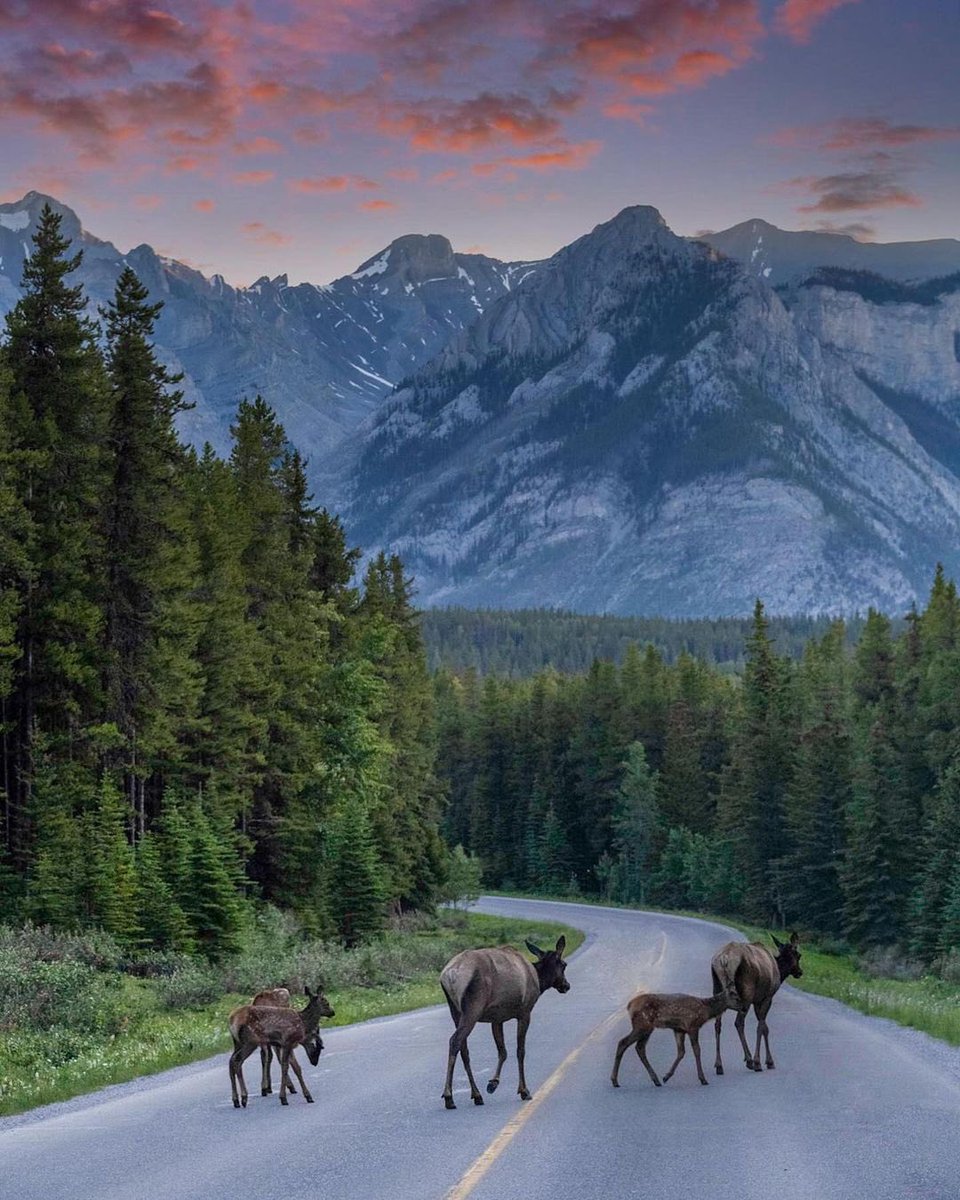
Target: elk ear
{"type": "Point", "coordinates": [535, 950]}
{"type": "Point", "coordinates": [776, 941]}
{"type": "Point", "coordinates": [794, 939]}
{"type": "Point", "coordinates": [561, 944]}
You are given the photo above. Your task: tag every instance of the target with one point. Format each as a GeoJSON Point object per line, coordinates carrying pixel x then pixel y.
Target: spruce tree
{"type": "Point", "coordinates": [356, 893]}
{"type": "Point", "coordinates": [162, 922]}
{"type": "Point", "coordinates": [637, 826]}
{"type": "Point", "coordinates": [151, 628]}
{"type": "Point", "coordinates": [59, 407]}
{"type": "Point", "coordinates": [111, 884]}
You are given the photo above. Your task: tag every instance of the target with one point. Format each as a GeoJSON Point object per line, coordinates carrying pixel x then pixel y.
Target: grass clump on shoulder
{"type": "Point", "coordinates": [78, 1012]}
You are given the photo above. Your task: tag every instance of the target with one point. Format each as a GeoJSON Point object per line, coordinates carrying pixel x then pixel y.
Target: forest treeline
{"type": "Point", "coordinates": [197, 705]}
{"type": "Point", "coordinates": [822, 792]}
{"type": "Point", "coordinates": [521, 642]}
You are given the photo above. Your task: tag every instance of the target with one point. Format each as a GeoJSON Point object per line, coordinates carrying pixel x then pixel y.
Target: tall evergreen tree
{"type": "Point", "coordinates": [59, 409]}
{"type": "Point", "coordinates": [151, 629]}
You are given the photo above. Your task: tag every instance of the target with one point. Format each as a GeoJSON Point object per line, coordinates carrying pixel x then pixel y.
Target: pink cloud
{"type": "Point", "coordinates": [254, 177]}
{"type": "Point", "coordinates": [148, 203]}
{"type": "Point", "coordinates": [204, 206]}
{"type": "Point", "coordinates": [258, 145]}
{"type": "Point", "coordinates": [568, 157]}
{"type": "Point", "coordinates": [798, 18]}
{"type": "Point", "coordinates": [863, 134]}
{"type": "Point", "coordinates": [377, 206]}
{"type": "Point", "coordinates": [258, 232]}
{"type": "Point", "coordinates": [333, 183]}
{"type": "Point", "coordinates": [855, 190]}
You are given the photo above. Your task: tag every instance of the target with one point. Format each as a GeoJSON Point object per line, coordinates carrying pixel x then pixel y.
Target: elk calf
{"type": "Point", "coordinates": [278, 997]}
{"type": "Point", "coordinates": [282, 1029]}
{"type": "Point", "coordinates": [683, 1014]}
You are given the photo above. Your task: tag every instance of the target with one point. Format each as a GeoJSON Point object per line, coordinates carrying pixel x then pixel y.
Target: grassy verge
{"type": "Point", "coordinates": [149, 1025]}
{"type": "Point", "coordinates": [927, 1003]}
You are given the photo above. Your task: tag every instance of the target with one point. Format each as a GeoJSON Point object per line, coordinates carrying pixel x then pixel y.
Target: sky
{"type": "Point", "coordinates": [301, 136]}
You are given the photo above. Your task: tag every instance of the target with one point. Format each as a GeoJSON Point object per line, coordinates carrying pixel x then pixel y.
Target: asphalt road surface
{"type": "Point", "coordinates": [856, 1108]}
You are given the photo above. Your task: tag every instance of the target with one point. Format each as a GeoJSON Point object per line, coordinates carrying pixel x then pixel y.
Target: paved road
{"type": "Point", "coordinates": [856, 1109]}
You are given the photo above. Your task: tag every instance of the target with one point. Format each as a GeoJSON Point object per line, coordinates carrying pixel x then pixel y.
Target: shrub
{"type": "Point", "coordinates": [890, 962]}
{"type": "Point", "coordinates": [191, 986]}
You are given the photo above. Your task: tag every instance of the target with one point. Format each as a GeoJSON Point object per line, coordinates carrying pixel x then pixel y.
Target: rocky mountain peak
{"type": "Point", "coordinates": [413, 258]}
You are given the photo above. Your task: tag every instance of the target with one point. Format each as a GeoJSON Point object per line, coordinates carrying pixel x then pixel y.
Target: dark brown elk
{"type": "Point", "coordinates": [273, 998]}
{"type": "Point", "coordinates": [282, 1029]}
{"type": "Point", "coordinates": [683, 1014]}
{"type": "Point", "coordinates": [754, 974]}
{"type": "Point", "coordinates": [493, 986]}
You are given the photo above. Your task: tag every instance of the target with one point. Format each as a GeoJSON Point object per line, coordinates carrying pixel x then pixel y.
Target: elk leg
{"type": "Point", "coordinates": [284, 1075]}
{"type": "Point", "coordinates": [718, 1065]}
{"type": "Point", "coordinates": [762, 1027]}
{"type": "Point", "coordinates": [465, 1024]}
{"type": "Point", "coordinates": [474, 1090]}
{"type": "Point", "coordinates": [236, 1073]}
{"type": "Point", "coordinates": [266, 1054]}
{"type": "Point", "coordinates": [679, 1035]}
{"type": "Point", "coordinates": [303, 1087]}
{"type": "Point", "coordinates": [740, 1024]}
{"type": "Point", "coordinates": [523, 1024]}
{"type": "Point", "coordinates": [642, 1053]}
{"type": "Point", "coordinates": [624, 1044]}
{"type": "Point", "coordinates": [494, 1083]}
{"type": "Point", "coordinates": [695, 1043]}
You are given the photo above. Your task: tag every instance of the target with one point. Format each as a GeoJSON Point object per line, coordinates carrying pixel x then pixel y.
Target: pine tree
{"type": "Point", "coordinates": [637, 826]}
{"type": "Point", "coordinates": [356, 876]}
{"type": "Point", "coordinates": [151, 629]}
{"type": "Point", "coordinates": [58, 403]}
{"type": "Point", "coordinates": [212, 904]}
{"type": "Point", "coordinates": [162, 921]}
{"type": "Point", "coordinates": [941, 853]}
{"type": "Point", "coordinates": [111, 884]}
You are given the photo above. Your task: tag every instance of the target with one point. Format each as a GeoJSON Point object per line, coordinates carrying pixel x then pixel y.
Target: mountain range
{"type": "Point", "coordinates": [642, 423]}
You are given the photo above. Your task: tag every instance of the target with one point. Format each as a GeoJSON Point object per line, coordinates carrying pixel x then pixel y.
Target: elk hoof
{"type": "Point", "coordinates": [657, 1083]}
{"type": "Point", "coordinates": [236, 1104]}
{"type": "Point", "coordinates": [477, 1099]}
{"type": "Point", "coordinates": [243, 1102]}
{"type": "Point", "coordinates": [719, 1070]}
{"type": "Point", "coordinates": [492, 1086]}
{"type": "Point", "coordinates": [525, 1095]}
{"type": "Point", "coordinates": [309, 1099]}
{"type": "Point", "coordinates": [771, 1065]}
{"type": "Point", "coordinates": [615, 1082]}
{"type": "Point", "coordinates": [284, 1101]}
{"type": "Point", "coordinates": [266, 1091]}
{"type": "Point", "coordinates": [705, 1082]}
{"type": "Point", "coordinates": [448, 1102]}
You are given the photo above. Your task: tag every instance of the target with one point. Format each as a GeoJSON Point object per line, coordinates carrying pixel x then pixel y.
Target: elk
{"type": "Point", "coordinates": [754, 975]}
{"type": "Point", "coordinates": [683, 1014]}
{"type": "Point", "coordinates": [282, 1029]}
{"type": "Point", "coordinates": [273, 998]}
{"type": "Point", "coordinates": [493, 986]}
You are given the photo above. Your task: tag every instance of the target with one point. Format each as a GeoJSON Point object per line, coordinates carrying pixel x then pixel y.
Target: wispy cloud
{"type": "Point", "coordinates": [798, 18]}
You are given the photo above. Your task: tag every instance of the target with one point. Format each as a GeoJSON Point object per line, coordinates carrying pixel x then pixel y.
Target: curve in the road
{"type": "Point", "coordinates": [856, 1110]}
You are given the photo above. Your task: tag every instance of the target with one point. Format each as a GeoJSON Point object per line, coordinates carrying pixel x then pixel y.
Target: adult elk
{"type": "Point", "coordinates": [493, 986]}
{"type": "Point", "coordinates": [683, 1014]}
{"type": "Point", "coordinates": [278, 997]}
{"type": "Point", "coordinates": [282, 1029]}
{"type": "Point", "coordinates": [754, 974]}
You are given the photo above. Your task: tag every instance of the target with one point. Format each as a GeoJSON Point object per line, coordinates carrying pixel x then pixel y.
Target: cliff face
{"type": "Point", "coordinates": [643, 426]}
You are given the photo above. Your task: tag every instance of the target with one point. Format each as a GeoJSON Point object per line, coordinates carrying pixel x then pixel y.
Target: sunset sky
{"type": "Point", "coordinates": [303, 135]}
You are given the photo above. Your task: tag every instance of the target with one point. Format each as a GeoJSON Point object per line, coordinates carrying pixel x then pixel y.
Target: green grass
{"type": "Point", "coordinates": [929, 1004]}
{"type": "Point", "coordinates": [39, 1067]}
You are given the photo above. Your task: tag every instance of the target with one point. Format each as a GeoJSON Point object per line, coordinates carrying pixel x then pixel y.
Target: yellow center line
{"type": "Point", "coordinates": [482, 1165]}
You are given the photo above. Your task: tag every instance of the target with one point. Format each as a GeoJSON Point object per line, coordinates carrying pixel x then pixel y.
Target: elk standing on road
{"type": "Point", "coordinates": [278, 997]}
{"type": "Point", "coordinates": [683, 1014]}
{"type": "Point", "coordinates": [750, 970]}
{"type": "Point", "coordinates": [282, 1029]}
{"type": "Point", "coordinates": [497, 985]}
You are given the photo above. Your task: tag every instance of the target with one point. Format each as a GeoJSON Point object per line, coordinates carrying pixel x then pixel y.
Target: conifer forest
{"type": "Point", "coordinates": [202, 708]}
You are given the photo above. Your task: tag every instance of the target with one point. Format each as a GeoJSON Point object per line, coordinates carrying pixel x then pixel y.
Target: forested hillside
{"type": "Point", "coordinates": [823, 793]}
{"type": "Point", "coordinates": [524, 641]}
{"type": "Point", "coordinates": [197, 707]}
